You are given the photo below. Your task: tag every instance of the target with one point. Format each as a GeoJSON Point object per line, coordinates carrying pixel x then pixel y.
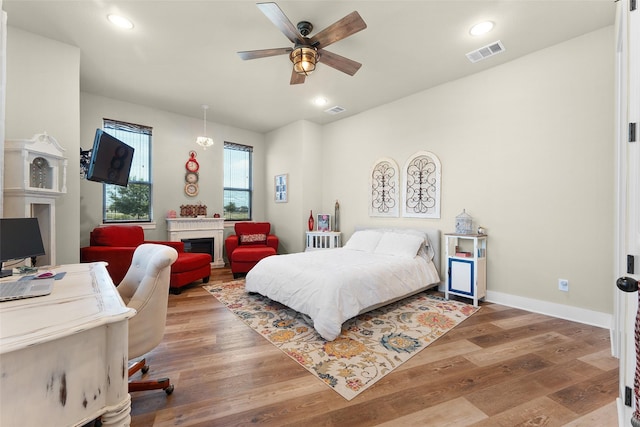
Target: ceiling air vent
{"type": "Point", "coordinates": [486, 51]}
{"type": "Point", "coordinates": [335, 110]}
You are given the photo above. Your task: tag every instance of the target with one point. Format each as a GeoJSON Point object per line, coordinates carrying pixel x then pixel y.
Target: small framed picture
{"type": "Point", "coordinates": [281, 187]}
{"type": "Point", "coordinates": [324, 222]}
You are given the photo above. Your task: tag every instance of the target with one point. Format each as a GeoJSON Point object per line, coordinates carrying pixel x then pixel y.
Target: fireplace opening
{"type": "Point", "coordinates": [202, 245]}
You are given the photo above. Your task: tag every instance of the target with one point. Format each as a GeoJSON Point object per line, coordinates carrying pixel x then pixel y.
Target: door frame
{"type": "Point", "coordinates": [627, 227]}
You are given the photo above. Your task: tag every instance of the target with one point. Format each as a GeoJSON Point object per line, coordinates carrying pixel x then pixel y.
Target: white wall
{"type": "Point", "coordinates": [173, 137]}
{"type": "Point", "coordinates": [526, 148]}
{"type": "Point", "coordinates": [295, 150]}
{"type": "Point", "coordinates": [43, 79]}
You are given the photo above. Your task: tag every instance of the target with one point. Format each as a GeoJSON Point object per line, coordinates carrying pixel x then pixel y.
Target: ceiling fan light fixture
{"type": "Point", "coordinates": [204, 141]}
{"type": "Point", "coordinates": [304, 59]}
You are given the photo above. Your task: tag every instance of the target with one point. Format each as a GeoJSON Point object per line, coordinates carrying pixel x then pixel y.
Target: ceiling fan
{"type": "Point", "coordinates": [307, 52]}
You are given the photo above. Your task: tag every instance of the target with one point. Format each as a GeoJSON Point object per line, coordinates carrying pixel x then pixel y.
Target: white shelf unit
{"type": "Point", "coordinates": [466, 256]}
{"type": "Point", "coordinates": [317, 240]}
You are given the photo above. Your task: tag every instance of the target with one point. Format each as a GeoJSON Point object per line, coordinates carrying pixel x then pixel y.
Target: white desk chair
{"type": "Point", "coordinates": [145, 288]}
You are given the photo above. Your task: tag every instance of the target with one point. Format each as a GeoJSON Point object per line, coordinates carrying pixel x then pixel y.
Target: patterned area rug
{"type": "Point", "coordinates": [370, 345]}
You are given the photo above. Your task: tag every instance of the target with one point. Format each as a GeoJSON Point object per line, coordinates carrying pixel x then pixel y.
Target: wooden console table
{"type": "Point", "coordinates": [64, 355]}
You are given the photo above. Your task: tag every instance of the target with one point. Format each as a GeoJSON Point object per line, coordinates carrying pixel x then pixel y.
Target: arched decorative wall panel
{"type": "Point", "coordinates": [421, 186]}
{"type": "Point", "coordinates": [384, 188]}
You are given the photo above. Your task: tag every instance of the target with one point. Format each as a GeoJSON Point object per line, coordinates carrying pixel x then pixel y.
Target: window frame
{"type": "Point", "coordinates": [112, 124]}
{"type": "Point", "coordinates": [249, 149]}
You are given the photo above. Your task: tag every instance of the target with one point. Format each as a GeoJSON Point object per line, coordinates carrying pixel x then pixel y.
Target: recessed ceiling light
{"type": "Point", "coordinates": [320, 101]}
{"type": "Point", "coordinates": [120, 21]}
{"type": "Point", "coordinates": [481, 28]}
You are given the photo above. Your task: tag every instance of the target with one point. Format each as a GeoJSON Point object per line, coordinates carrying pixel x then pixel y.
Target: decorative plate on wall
{"type": "Point", "coordinates": [191, 190]}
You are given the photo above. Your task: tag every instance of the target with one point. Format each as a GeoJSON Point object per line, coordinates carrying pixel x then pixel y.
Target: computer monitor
{"type": "Point", "coordinates": [19, 239]}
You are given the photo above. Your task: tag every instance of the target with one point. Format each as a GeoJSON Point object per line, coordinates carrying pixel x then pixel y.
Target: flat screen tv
{"type": "Point", "coordinates": [110, 160]}
{"type": "Point", "coordinates": [19, 239]}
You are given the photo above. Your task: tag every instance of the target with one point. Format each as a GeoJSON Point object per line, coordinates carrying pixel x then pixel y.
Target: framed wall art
{"type": "Point", "coordinates": [281, 188]}
{"type": "Point", "coordinates": [324, 222]}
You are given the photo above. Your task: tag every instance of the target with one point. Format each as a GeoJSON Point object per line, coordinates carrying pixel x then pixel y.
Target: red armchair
{"type": "Point", "coordinates": [250, 244]}
{"type": "Point", "coordinates": [115, 244]}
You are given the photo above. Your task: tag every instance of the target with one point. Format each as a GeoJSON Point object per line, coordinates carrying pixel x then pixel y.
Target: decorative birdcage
{"type": "Point", "coordinates": [464, 223]}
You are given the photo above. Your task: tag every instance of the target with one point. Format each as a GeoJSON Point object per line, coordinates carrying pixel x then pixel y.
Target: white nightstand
{"type": "Point", "coordinates": [466, 256]}
{"type": "Point", "coordinates": [317, 240]}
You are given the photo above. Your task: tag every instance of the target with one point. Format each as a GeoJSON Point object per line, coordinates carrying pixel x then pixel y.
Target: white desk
{"type": "Point", "coordinates": [63, 357]}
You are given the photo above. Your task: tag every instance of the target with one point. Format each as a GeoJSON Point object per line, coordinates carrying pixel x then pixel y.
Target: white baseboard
{"type": "Point", "coordinates": [567, 312]}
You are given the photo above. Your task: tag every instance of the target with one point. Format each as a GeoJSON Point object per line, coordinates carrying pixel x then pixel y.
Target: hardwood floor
{"type": "Point", "coordinates": [501, 367]}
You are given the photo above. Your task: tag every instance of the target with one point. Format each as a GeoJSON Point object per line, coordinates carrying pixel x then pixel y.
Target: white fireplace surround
{"type": "Point", "coordinates": [198, 228]}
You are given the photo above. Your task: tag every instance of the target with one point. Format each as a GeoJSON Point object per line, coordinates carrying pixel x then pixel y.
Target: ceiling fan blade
{"type": "Point", "coordinates": [297, 78]}
{"type": "Point", "coordinates": [350, 24]}
{"type": "Point", "coordinates": [338, 62]}
{"type": "Point", "coordinates": [263, 53]}
{"type": "Point", "coordinates": [280, 20]}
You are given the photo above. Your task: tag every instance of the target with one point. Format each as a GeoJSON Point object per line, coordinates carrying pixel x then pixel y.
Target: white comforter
{"type": "Point", "coordinates": [332, 286]}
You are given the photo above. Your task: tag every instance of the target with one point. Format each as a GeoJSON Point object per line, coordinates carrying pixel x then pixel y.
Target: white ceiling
{"type": "Point", "coordinates": [182, 54]}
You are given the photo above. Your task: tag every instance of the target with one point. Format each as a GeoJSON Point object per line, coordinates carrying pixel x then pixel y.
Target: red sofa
{"type": "Point", "coordinates": [251, 243]}
{"type": "Point", "coordinates": [115, 244]}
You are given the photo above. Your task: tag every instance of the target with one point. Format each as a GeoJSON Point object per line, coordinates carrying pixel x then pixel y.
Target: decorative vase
{"type": "Point", "coordinates": [336, 217]}
{"type": "Point", "coordinates": [311, 222]}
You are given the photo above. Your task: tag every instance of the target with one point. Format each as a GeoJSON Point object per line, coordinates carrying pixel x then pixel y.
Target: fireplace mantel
{"type": "Point", "coordinates": [194, 228]}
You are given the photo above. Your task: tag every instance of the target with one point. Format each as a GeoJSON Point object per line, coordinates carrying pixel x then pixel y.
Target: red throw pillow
{"type": "Point", "coordinates": [253, 239]}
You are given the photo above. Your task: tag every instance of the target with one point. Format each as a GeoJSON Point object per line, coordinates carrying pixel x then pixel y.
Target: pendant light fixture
{"type": "Point", "coordinates": [304, 59]}
{"type": "Point", "coordinates": [205, 141]}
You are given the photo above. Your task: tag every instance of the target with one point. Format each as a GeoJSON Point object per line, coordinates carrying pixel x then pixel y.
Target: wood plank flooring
{"type": "Point", "coordinates": [501, 367]}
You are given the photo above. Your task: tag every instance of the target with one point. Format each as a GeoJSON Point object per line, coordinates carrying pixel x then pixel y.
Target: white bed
{"type": "Point", "coordinates": [374, 268]}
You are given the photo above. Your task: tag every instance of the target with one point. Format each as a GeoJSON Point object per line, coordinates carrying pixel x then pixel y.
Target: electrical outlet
{"type": "Point", "coordinates": [563, 285]}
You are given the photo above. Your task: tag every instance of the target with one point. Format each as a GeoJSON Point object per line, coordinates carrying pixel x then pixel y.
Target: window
{"type": "Point", "coordinates": [131, 203]}
{"type": "Point", "coordinates": [238, 185]}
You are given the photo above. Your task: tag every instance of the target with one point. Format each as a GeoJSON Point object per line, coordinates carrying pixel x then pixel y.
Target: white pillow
{"type": "Point", "coordinates": [364, 240]}
{"type": "Point", "coordinates": [426, 250]}
{"type": "Point", "coordinates": [397, 244]}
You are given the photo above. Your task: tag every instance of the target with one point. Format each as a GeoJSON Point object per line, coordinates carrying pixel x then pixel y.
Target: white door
{"type": "Point", "coordinates": [628, 200]}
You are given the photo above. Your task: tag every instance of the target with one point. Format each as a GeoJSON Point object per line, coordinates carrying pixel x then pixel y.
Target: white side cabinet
{"type": "Point", "coordinates": [466, 256]}
{"type": "Point", "coordinates": [323, 240]}
{"type": "Point", "coordinates": [35, 176]}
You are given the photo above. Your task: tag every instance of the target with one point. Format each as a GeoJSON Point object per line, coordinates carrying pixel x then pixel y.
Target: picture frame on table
{"type": "Point", "coordinates": [281, 186]}
{"type": "Point", "coordinates": [324, 222]}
